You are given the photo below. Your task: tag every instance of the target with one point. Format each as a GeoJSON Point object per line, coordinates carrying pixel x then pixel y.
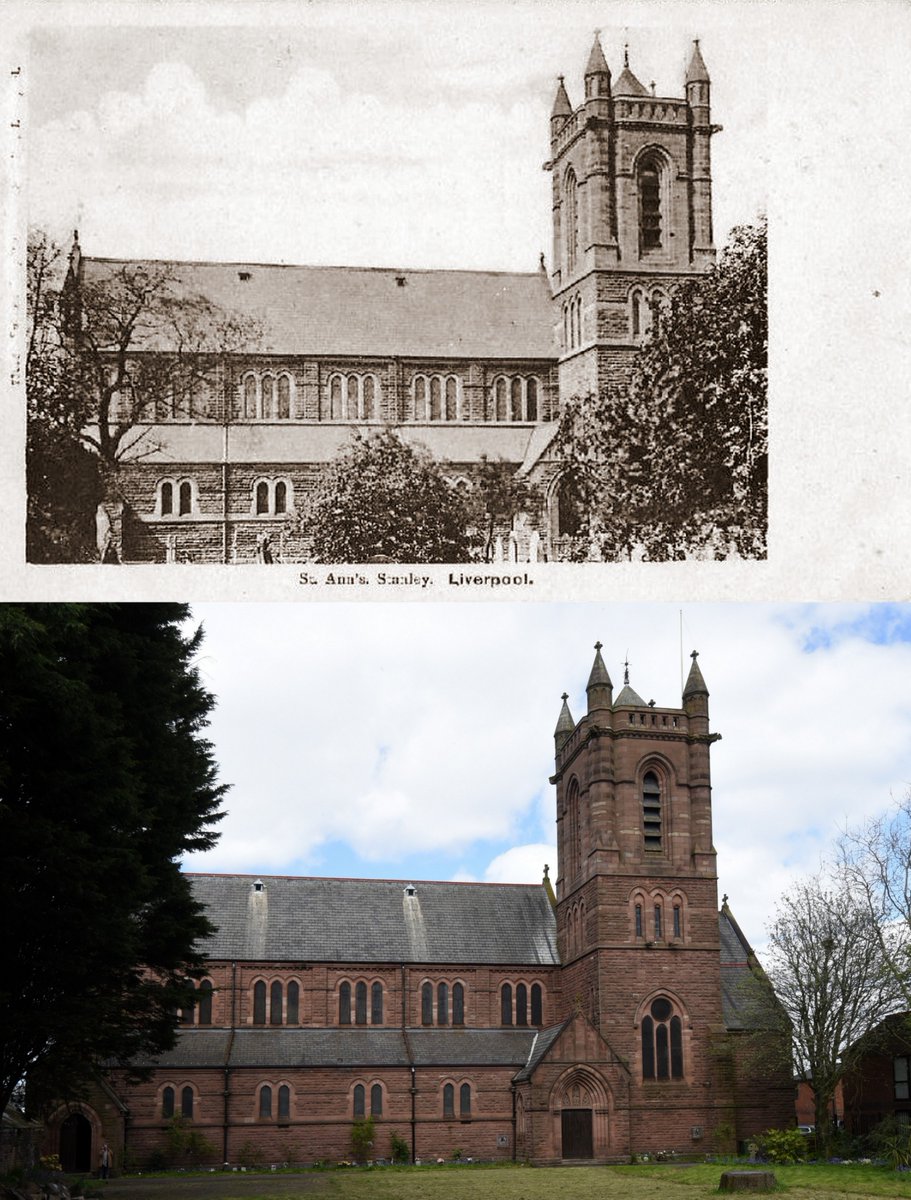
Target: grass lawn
{"type": "Point", "coordinates": [511, 1183]}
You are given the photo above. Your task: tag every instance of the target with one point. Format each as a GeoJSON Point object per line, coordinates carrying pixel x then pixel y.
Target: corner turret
{"type": "Point", "coordinates": [696, 697]}
{"type": "Point", "coordinates": [565, 723]}
{"type": "Point", "coordinates": [599, 688]}
{"type": "Point", "coordinates": [597, 72]}
{"type": "Point", "coordinates": [561, 110]}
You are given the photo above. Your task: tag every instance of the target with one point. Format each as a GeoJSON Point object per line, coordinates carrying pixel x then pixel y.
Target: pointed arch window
{"type": "Point", "coordinates": [506, 1004]}
{"type": "Point", "coordinates": [204, 1003]}
{"type": "Point", "coordinates": [521, 1004]}
{"type": "Point", "coordinates": [335, 398]}
{"type": "Point", "coordinates": [344, 1003]}
{"type": "Point", "coordinates": [651, 812]}
{"type": "Point", "coordinates": [292, 1015]}
{"type": "Point", "coordinates": [167, 1102]}
{"type": "Point", "coordinates": [465, 1100]}
{"type": "Point", "coordinates": [443, 1004]}
{"type": "Point", "coordinates": [458, 1004]}
{"type": "Point", "coordinates": [649, 186]}
{"type": "Point", "coordinates": [262, 497]}
{"type": "Point", "coordinates": [571, 218]}
{"type": "Point", "coordinates": [531, 400]}
{"type": "Point", "coordinates": [376, 1100]}
{"type": "Point", "coordinates": [452, 398]}
{"type": "Point", "coordinates": [369, 401]}
{"type": "Point", "coordinates": [360, 1003]}
{"type": "Point", "coordinates": [284, 397]}
{"type": "Point", "coordinates": [420, 398]}
{"type": "Point", "coordinates": [662, 1041]}
{"type": "Point", "coordinates": [376, 1003]}
{"type": "Point", "coordinates": [268, 392]}
{"type": "Point", "coordinates": [537, 1004]}
{"type": "Point", "coordinates": [186, 1102]}
{"type": "Point", "coordinates": [275, 1003]}
{"type": "Point", "coordinates": [259, 1003]}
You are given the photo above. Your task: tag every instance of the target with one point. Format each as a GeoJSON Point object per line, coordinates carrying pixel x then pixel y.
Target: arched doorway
{"type": "Point", "coordinates": [580, 1106]}
{"type": "Point", "coordinates": [76, 1143]}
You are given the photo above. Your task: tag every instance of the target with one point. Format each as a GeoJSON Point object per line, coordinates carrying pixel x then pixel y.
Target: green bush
{"type": "Point", "coordinates": [782, 1146]}
{"type": "Point", "coordinates": [892, 1142]}
{"type": "Point", "coordinates": [186, 1144]}
{"type": "Point", "coordinates": [399, 1152]}
{"type": "Point", "coordinates": [362, 1139]}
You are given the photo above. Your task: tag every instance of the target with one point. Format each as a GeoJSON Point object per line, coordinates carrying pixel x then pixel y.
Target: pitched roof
{"type": "Point", "coordinates": [367, 310]}
{"type": "Point", "coordinates": [349, 1047]}
{"type": "Point", "coordinates": [628, 85]}
{"type": "Point", "coordinates": [746, 999]}
{"type": "Point", "coordinates": [544, 1039]}
{"type": "Point", "coordinates": [629, 697]}
{"type": "Point", "coordinates": [374, 920]}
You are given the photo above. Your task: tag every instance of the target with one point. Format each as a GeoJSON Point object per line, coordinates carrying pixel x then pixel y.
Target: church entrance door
{"type": "Point", "coordinates": [76, 1143]}
{"type": "Point", "coordinates": [577, 1133]}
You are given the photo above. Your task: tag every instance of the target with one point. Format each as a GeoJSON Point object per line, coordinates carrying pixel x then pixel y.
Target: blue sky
{"type": "Point", "coordinates": [416, 740]}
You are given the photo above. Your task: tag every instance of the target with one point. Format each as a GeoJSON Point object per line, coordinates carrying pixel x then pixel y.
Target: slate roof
{"type": "Point", "coordinates": [349, 1047]}
{"type": "Point", "coordinates": [628, 85]}
{"type": "Point", "coordinates": [373, 920]}
{"type": "Point", "coordinates": [539, 1047]}
{"type": "Point", "coordinates": [346, 311]}
{"type": "Point", "coordinates": [745, 1003]}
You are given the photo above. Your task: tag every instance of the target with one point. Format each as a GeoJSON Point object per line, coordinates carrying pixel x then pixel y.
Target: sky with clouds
{"type": "Point", "coordinates": [416, 740]}
{"type": "Point", "coordinates": [392, 133]}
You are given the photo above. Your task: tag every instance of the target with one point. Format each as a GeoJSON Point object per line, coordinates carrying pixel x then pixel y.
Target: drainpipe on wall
{"type": "Point", "coordinates": [226, 1116]}
{"type": "Point", "coordinates": [414, 1093]}
{"type": "Point", "coordinates": [225, 541]}
{"type": "Point", "coordinates": [512, 1088]}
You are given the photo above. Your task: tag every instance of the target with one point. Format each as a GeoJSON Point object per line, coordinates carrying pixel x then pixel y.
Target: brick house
{"type": "Point", "coordinates": [603, 1016]}
{"type": "Point", "coordinates": [470, 364]}
{"type": "Point", "coordinates": [878, 1085]}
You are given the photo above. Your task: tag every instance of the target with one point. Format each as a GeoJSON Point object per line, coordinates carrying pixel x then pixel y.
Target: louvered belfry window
{"type": "Point", "coordinates": [651, 812]}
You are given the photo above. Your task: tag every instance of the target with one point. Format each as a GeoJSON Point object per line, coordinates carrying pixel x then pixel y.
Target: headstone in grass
{"type": "Point", "coordinates": [748, 1181]}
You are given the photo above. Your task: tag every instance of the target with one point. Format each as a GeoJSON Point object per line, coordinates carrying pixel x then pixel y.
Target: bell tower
{"type": "Point", "coordinates": [632, 199]}
{"type": "Point", "coordinates": [637, 907]}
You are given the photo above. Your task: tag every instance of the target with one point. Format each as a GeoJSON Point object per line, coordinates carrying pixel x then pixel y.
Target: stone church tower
{"type": "Point", "coordinates": [637, 909]}
{"type": "Point", "coordinates": [632, 213]}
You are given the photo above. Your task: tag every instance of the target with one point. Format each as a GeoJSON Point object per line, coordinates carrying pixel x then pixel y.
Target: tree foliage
{"type": "Point", "coordinates": [832, 982]}
{"type": "Point", "coordinates": [501, 495]}
{"type": "Point", "coordinates": [106, 357]}
{"type": "Point", "coordinates": [675, 465]}
{"type": "Point", "coordinates": [105, 782]}
{"type": "Point", "coordinates": [876, 860]}
{"type": "Point", "coordinates": [382, 498]}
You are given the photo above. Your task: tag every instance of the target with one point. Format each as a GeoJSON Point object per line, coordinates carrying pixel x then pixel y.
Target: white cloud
{"type": "Point", "coordinates": [523, 864]}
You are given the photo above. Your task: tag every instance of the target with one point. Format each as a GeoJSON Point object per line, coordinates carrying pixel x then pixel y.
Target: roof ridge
{"type": "Point", "coordinates": [214, 262]}
{"type": "Point", "coordinates": [403, 880]}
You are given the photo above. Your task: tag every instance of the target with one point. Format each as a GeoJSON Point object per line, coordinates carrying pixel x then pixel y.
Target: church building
{"type": "Point", "coordinates": [473, 365]}
{"type": "Point", "coordinates": [612, 1012]}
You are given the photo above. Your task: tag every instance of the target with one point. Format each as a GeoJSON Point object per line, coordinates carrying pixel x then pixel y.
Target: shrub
{"type": "Point", "coordinates": [186, 1144]}
{"type": "Point", "coordinates": [399, 1152]}
{"type": "Point", "coordinates": [892, 1142]}
{"type": "Point", "coordinates": [248, 1155]}
{"type": "Point", "coordinates": [782, 1146]}
{"type": "Point", "coordinates": [362, 1138]}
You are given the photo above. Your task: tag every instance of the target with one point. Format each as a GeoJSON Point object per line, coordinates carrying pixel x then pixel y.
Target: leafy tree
{"type": "Point", "coordinates": [832, 982]}
{"type": "Point", "coordinates": [501, 495]}
{"type": "Point", "coordinates": [384, 499]}
{"type": "Point", "coordinates": [107, 356]}
{"type": "Point", "coordinates": [676, 464]}
{"type": "Point", "coordinates": [105, 782]}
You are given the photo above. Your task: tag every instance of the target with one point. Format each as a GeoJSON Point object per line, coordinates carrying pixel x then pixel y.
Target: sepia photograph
{"type": "Point", "coordinates": [362, 284]}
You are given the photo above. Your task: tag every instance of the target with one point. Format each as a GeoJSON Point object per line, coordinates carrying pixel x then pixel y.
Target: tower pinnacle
{"type": "Point", "coordinates": [599, 688]}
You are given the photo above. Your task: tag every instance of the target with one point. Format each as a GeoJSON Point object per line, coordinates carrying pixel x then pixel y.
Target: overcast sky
{"type": "Point", "coordinates": [388, 133]}
{"type": "Point", "coordinates": [415, 741]}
